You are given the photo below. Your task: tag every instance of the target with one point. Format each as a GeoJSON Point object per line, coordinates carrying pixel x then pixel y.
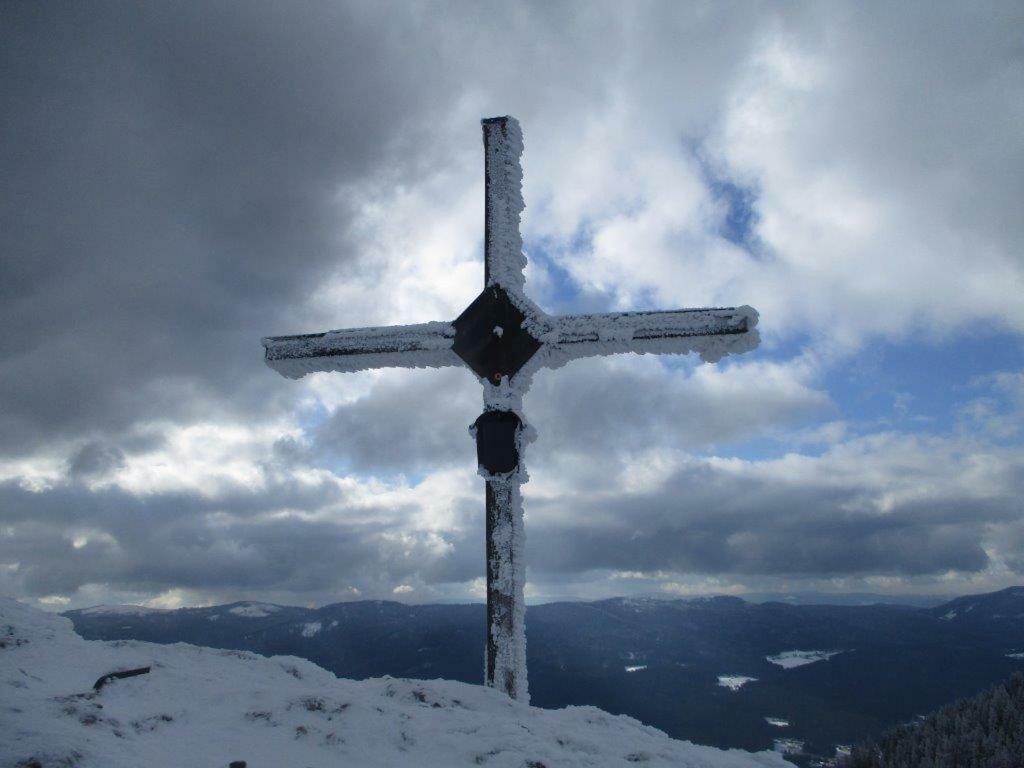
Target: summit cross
{"type": "Point", "coordinates": [504, 338]}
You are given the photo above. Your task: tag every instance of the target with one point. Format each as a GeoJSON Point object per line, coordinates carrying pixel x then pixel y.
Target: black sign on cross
{"type": "Point", "coordinates": [504, 338]}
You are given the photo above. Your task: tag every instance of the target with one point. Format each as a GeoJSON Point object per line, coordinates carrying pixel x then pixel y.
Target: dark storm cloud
{"type": "Point", "coordinates": [405, 424]}
{"type": "Point", "coordinates": [419, 420]}
{"type": "Point", "coordinates": [704, 520]}
{"type": "Point", "coordinates": [592, 407]}
{"type": "Point", "coordinates": [169, 171]}
{"type": "Point", "coordinates": [95, 458]}
{"type": "Point", "coordinates": [68, 537]}
{"type": "Point", "coordinates": [297, 538]}
{"type": "Point", "coordinates": [167, 176]}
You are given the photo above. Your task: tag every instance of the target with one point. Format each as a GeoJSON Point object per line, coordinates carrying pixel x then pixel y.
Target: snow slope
{"type": "Point", "coordinates": [206, 707]}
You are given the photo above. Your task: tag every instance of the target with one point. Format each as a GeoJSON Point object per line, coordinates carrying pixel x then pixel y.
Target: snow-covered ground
{"type": "Point", "coordinates": [792, 659]}
{"type": "Point", "coordinates": [789, 746]}
{"type": "Point", "coordinates": [734, 682]}
{"type": "Point", "coordinates": [207, 707]}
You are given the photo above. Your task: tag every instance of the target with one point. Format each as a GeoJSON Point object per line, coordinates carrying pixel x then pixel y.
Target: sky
{"type": "Point", "coordinates": [182, 179]}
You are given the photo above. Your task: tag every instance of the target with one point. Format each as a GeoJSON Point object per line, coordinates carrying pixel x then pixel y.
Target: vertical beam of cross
{"type": "Point", "coordinates": [500, 428]}
{"type": "Point", "coordinates": [504, 339]}
{"type": "Point", "coordinates": [504, 261]}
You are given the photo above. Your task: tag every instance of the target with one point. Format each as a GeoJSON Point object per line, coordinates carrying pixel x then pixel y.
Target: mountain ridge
{"type": "Point", "coordinates": [759, 598]}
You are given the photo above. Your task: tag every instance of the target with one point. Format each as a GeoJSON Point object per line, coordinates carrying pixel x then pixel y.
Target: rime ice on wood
{"type": "Point", "coordinates": [427, 345]}
{"type": "Point", "coordinates": [504, 338]}
{"type": "Point", "coordinates": [504, 261]}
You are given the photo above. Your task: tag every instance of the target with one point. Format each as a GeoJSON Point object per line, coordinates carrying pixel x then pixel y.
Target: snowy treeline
{"type": "Point", "coordinates": [986, 731]}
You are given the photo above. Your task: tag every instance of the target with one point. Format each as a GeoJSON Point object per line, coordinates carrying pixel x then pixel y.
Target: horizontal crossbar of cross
{"type": "Point", "coordinates": [563, 338]}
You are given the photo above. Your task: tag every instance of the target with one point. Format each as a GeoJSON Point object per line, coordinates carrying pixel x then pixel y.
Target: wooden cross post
{"type": "Point", "coordinates": [504, 338]}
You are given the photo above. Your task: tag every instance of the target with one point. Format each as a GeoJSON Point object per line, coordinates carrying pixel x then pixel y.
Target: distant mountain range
{"type": "Point", "coordinates": [720, 671]}
{"type": "Point", "coordinates": [845, 598]}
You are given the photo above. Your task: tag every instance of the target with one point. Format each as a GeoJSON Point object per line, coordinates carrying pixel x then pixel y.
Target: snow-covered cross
{"type": "Point", "coordinates": [505, 338]}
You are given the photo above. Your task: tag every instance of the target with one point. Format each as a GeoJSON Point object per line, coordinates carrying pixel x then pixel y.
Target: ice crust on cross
{"type": "Point", "coordinates": [505, 260]}
{"type": "Point", "coordinates": [712, 333]}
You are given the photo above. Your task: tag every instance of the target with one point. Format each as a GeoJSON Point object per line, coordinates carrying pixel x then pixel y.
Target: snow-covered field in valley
{"type": "Point", "coordinates": [793, 659]}
{"type": "Point", "coordinates": [735, 682]}
{"type": "Point", "coordinates": [207, 707]}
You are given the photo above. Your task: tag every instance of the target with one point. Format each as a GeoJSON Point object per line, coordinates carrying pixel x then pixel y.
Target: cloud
{"type": "Point", "coordinates": [95, 458]}
{"type": "Point", "coordinates": [886, 505]}
{"type": "Point", "coordinates": [627, 404]}
{"type": "Point", "coordinates": [281, 538]}
{"type": "Point", "coordinates": [868, 136]}
{"type": "Point", "coordinates": [997, 408]}
{"type": "Point", "coordinates": [182, 181]}
{"type": "Point", "coordinates": [408, 422]}
{"type": "Point", "coordinates": [170, 198]}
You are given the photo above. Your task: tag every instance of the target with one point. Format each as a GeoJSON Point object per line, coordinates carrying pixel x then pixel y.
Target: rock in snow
{"type": "Point", "coordinates": [207, 707]}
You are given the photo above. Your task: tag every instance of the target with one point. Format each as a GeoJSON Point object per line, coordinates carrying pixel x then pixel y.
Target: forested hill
{"type": "Point", "coordinates": [985, 731]}
{"type": "Point", "coordinates": [719, 671]}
